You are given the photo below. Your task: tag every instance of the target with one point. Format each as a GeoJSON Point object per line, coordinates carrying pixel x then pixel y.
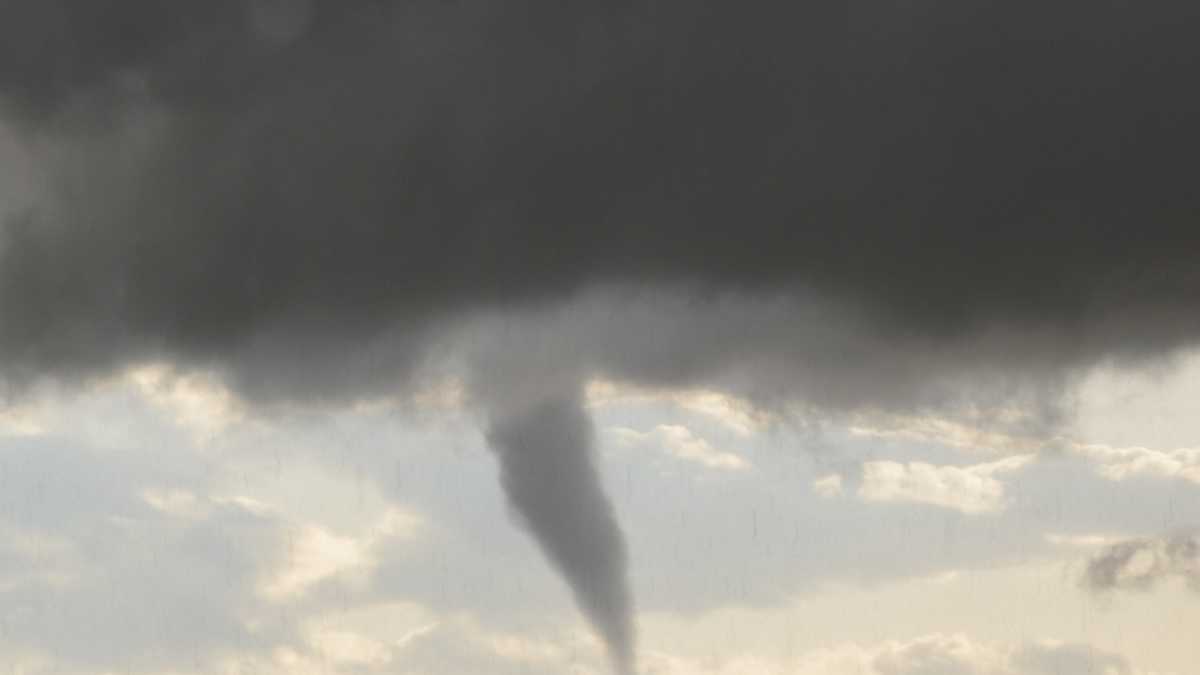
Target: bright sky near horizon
{"type": "Point", "coordinates": [149, 524]}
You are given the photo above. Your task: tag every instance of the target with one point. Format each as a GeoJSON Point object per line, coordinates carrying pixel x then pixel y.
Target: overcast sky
{"type": "Point", "coordinates": [441, 337]}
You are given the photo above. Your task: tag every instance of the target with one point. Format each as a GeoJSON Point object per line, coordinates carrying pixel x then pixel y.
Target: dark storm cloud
{"type": "Point", "coordinates": [364, 170]}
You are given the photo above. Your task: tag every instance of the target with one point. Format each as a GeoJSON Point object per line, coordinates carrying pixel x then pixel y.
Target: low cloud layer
{"type": "Point", "coordinates": [936, 654]}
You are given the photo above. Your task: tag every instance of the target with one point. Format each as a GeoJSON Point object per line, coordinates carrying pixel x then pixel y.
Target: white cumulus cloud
{"type": "Point", "coordinates": [970, 489]}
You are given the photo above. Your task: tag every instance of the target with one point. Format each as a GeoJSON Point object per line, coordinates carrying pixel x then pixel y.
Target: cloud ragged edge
{"type": "Point", "coordinates": [1142, 564]}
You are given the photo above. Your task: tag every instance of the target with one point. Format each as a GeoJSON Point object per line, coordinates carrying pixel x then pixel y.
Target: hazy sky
{"type": "Point", "coordinates": [464, 336]}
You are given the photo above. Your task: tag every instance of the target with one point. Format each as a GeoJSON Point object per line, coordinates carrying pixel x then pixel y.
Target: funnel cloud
{"type": "Point", "coordinates": [549, 475]}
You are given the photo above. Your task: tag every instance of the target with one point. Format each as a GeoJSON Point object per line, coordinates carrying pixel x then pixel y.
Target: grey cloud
{"type": "Point", "coordinates": [1141, 564]}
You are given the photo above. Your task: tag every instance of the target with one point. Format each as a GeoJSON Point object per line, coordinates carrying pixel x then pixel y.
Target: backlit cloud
{"type": "Point", "coordinates": [972, 489]}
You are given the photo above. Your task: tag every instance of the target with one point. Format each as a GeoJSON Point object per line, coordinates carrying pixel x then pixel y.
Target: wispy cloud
{"type": "Point", "coordinates": [1141, 564]}
{"type": "Point", "coordinates": [1115, 463]}
{"type": "Point", "coordinates": [734, 413]}
{"type": "Point", "coordinates": [829, 486]}
{"type": "Point", "coordinates": [940, 654]}
{"type": "Point", "coordinates": [996, 432]}
{"type": "Point", "coordinates": [196, 400]}
{"type": "Point", "coordinates": [1123, 463]}
{"type": "Point", "coordinates": [680, 443]}
{"type": "Point", "coordinates": [316, 554]}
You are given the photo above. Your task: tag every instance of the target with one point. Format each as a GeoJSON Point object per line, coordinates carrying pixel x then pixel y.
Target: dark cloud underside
{"type": "Point", "coordinates": [945, 165]}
